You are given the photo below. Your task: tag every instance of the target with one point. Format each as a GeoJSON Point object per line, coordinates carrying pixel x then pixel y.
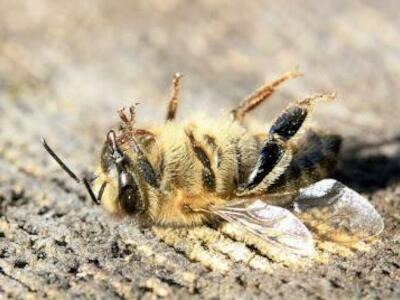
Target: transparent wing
{"type": "Point", "coordinates": [275, 225]}
{"type": "Point", "coordinates": [336, 212]}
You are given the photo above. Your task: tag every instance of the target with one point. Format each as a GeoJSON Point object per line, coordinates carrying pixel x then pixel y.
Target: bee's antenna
{"type": "Point", "coordinates": [63, 166]}
{"type": "Point", "coordinates": [60, 162]}
{"type": "Point", "coordinates": [90, 191]}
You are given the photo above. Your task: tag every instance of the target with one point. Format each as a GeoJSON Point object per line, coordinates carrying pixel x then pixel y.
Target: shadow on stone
{"type": "Point", "coordinates": [368, 167]}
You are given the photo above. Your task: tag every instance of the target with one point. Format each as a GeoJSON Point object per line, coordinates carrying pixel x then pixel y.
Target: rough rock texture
{"type": "Point", "coordinates": [66, 67]}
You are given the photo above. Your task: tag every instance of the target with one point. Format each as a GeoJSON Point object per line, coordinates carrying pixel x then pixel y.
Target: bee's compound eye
{"type": "Point", "coordinates": [130, 199]}
{"type": "Point", "coordinates": [129, 195]}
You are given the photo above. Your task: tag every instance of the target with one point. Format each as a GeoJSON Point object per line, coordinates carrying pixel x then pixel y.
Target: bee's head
{"type": "Point", "coordinates": [117, 185]}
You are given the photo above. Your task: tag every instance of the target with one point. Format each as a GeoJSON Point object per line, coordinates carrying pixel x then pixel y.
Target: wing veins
{"type": "Point", "coordinates": [269, 235]}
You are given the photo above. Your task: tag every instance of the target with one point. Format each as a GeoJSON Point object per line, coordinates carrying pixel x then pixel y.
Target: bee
{"type": "Point", "coordinates": [200, 171]}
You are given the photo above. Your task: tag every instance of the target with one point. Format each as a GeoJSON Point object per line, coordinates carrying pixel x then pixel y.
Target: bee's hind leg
{"type": "Point", "coordinates": [276, 154]}
{"type": "Point", "coordinates": [174, 100]}
{"type": "Point", "coordinates": [260, 95]}
{"type": "Point", "coordinates": [314, 158]}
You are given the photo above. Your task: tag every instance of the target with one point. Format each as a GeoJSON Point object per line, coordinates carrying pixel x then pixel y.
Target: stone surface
{"type": "Point", "coordinates": [65, 68]}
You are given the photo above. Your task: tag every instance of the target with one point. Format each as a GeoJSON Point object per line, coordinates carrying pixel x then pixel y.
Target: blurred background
{"type": "Point", "coordinates": [77, 57]}
{"type": "Point", "coordinates": [67, 66]}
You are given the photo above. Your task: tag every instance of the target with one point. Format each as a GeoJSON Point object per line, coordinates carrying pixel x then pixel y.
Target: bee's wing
{"type": "Point", "coordinates": [275, 225]}
{"type": "Point", "coordinates": [336, 212]}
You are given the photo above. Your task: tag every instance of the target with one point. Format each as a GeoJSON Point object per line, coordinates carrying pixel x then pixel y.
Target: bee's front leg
{"type": "Point", "coordinates": [174, 100]}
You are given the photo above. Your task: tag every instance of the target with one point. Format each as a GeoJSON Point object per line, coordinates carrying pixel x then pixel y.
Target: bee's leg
{"type": "Point", "coordinates": [291, 120]}
{"type": "Point", "coordinates": [274, 158]}
{"type": "Point", "coordinates": [127, 122]}
{"type": "Point", "coordinates": [122, 115]}
{"type": "Point", "coordinates": [131, 120]}
{"type": "Point", "coordinates": [277, 152]}
{"type": "Point", "coordinates": [314, 157]}
{"type": "Point", "coordinates": [173, 102]}
{"type": "Point", "coordinates": [260, 95]}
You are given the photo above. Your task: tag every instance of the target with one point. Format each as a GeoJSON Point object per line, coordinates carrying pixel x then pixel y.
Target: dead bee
{"type": "Point", "coordinates": [178, 174]}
